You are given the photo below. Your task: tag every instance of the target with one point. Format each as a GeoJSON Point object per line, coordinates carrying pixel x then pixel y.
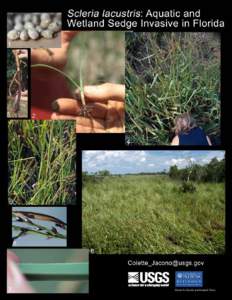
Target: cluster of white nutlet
{"type": "Point", "coordinates": [26, 26]}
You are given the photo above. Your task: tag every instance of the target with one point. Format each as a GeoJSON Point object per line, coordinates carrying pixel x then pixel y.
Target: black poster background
{"type": "Point", "coordinates": [108, 273]}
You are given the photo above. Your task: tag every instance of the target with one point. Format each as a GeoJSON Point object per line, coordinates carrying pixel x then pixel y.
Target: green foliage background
{"type": "Point", "coordinates": [41, 162]}
{"type": "Point", "coordinates": [133, 214]}
{"type": "Point", "coordinates": [168, 74]}
{"type": "Point", "coordinates": [156, 213]}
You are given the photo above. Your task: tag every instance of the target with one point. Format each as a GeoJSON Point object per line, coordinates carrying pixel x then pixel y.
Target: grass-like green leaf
{"type": "Point", "coordinates": [41, 162]}
{"type": "Point", "coordinates": [168, 74]}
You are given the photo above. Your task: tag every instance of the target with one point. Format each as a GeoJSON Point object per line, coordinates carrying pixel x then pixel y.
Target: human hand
{"type": "Point", "coordinates": [56, 57]}
{"type": "Point", "coordinates": [45, 84]}
{"type": "Point", "coordinates": [16, 282]}
{"type": "Point", "coordinates": [104, 111]}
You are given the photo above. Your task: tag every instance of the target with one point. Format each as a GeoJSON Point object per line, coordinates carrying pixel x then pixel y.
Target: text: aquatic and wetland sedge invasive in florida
{"type": "Point", "coordinates": [168, 74]}
{"type": "Point", "coordinates": [41, 162]}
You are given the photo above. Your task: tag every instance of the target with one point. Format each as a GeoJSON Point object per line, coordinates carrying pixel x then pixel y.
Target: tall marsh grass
{"type": "Point", "coordinates": [149, 214]}
{"type": "Point", "coordinates": [41, 162]}
{"type": "Point", "coordinates": [168, 74]}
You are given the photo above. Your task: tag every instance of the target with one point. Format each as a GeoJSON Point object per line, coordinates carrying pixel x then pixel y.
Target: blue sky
{"type": "Point", "coordinates": [135, 161]}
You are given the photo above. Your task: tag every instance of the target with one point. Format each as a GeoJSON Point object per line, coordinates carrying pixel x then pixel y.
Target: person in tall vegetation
{"type": "Point", "coordinates": [188, 133]}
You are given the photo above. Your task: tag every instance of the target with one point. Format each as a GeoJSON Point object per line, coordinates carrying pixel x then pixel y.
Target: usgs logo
{"type": "Point", "coordinates": [148, 279]}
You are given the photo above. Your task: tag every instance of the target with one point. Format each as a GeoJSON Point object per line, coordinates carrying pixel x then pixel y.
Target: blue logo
{"type": "Point", "coordinates": [189, 279]}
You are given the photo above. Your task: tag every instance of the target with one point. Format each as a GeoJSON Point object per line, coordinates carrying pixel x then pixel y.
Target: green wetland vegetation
{"type": "Point", "coordinates": [168, 74]}
{"type": "Point", "coordinates": [41, 162]}
{"type": "Point", "coordinates": [159, 214]}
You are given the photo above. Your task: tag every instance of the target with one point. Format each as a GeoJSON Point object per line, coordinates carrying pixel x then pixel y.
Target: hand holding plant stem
{"type": "Point", "coordinates": [47, 86]}
{"type": "Point", "coordinates": [107, 109]}
{"type": "Point", "coordinates": [72, 81]}
{"type": "Point", "coordinates": [99, 109]}
{"type": "Point", "coordinates": [97, 95]}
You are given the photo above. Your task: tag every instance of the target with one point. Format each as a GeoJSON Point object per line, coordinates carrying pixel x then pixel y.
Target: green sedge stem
{"type": "Point", "coordinates": [58, 71]}
{"type": "Point", "coordinates": [26, 230]}
{"type": "Point", "coordinates": [55, 271]}
{"type": "Point", "coordinates": [81, 80]}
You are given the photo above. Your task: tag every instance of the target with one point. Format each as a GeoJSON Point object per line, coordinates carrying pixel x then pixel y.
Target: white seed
{"type": "Point", "coordinates": [44, 23]}
{"type": "Point", "coordinates": [39, 29]}
{"type": "Point", "coordinates": [35, 19]}
{"type": "Point", "coordinates": [55, 26]}
{"type": "Point", "coordinates": [13, 35]}
{"type": "Point", "coordinates": [33, 34]}
{"type": "Point", "coordinates": [18, 18]}
{"type": "Point", "coordinates": [33, 25]}
{"type": "Point", "coordinates": [29, 25]}
{"type": "Point", "coordinates": [27, 17]}
{"type": "Point", "coordinates": [19, 27]}
{"type": "Point", "coordinates": [47, 34]}
{"type": "Point", "coordinates": [45, 16]}
{"type": "Point", "coordinates": [24, 35]}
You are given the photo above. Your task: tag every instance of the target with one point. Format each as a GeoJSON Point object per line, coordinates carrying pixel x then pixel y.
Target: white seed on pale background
{"type": "Point", "coordinates": [18, 18]}
{"type": "Point", "coordinates": [19, 26]}
{"type": "Point", "coordinates": [35, 19]}
{"type": "Point", "coordinates": [45, 16]}
{"type": "Point", "coordinates": [54, 26]}
{"type": "Point", "coordinates": [24, 35]}
{"type": "Point", "coordinates": [47, 34]}
{"type": "Point", "coordinates": [33, 34]}
{"type": "Point", "coordinates": [13, 35]}
{"type": "Point", "coordinates": [39, 29]}
{"type": "Point", "coordinates": [26, 26]}
{"type": "Point", "coordinates": [44, 23]}
{"type": "Point", "coordinates": [27, 17]}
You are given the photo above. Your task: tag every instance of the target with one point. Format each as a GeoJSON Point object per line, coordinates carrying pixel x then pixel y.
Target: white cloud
{"type": "Point", "coordinates": [142, 161]}
{"type": "Point", "coordinates": [177, 161]}
{"type": "Point", "coordinates": [104, 159]}
{"type": "Point", "coordinates": [174, 161]}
